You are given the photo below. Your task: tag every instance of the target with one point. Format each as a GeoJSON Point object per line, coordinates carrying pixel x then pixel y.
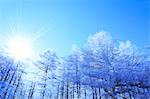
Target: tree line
{"type": "Point", "coordinates": [103, 68]}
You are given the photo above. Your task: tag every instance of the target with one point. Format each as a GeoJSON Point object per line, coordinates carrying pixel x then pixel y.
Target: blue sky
{"type": "Point", "coordinates": [68, 22]}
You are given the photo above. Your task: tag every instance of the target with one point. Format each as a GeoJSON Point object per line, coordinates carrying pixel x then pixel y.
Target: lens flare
{"type": "Point", "coordinates": [19, 48]}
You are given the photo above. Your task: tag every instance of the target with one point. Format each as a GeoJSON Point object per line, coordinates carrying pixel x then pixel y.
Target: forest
{"type": "Point", "coordinates": [103, 68]}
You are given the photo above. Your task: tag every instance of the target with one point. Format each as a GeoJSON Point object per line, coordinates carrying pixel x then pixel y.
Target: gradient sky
{"type": "Point", "coordinates": [67, 22]}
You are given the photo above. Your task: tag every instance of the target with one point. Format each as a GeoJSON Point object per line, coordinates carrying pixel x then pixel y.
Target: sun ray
{"type": "Point", "coordinates": [19, 18]}
{"type": "Point", "coordinates": [12, 29]}
{"type": "Point", "coordinates": [42, 32]}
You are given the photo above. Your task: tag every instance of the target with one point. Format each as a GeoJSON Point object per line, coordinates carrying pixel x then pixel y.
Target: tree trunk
{"type": "Point", "coordinates": [85, 93]}
{"type": "Point", "coordinates": [95, 93]}
{"type": "Point", "coordinates": [58, 92]}
{"type": "Point", "coordinates": [67, 89]}
{"type": "Point", "coordinates": [62, 91]}
{"type": "Point", "coordinates": [73, 92]}
{"type": "Point", "coordinates": [130, 96]}
{"type": "Point", "coordinates": [99, 90]}
{"type": "Point", "coordinates": [18, 84]}
{"type": "Point", "coordinates": [113, 97]}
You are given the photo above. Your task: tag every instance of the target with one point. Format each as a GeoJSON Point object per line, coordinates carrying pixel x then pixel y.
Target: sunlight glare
{"type": "Point", "coordinates": [19, 48]}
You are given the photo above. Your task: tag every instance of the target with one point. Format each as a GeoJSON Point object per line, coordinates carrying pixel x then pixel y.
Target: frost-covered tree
{"type": "Point", "coordinates": [73, 73]}
{"type": "Point", "coordinates": [131, 70]}
{"type": "Point", "coordinates": [10, 78]}
{"type": "Point", "coordinates": [101, 69]}
{"type": "Point", "coordinates": [113, 70]}
{"type": "Point", "coordinates": [47, 64]}
{"type": "Point", "coordinates": [97, 65]}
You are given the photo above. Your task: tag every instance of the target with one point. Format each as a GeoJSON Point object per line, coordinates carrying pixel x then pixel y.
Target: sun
{"type": "Point", "coordinates": [19, 48]}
